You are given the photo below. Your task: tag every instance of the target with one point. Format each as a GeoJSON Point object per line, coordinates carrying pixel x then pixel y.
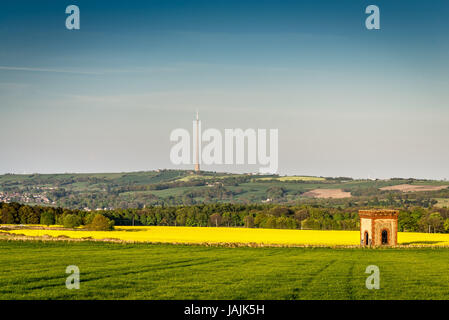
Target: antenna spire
{"type": "Point", "coordinates": [197, 164]}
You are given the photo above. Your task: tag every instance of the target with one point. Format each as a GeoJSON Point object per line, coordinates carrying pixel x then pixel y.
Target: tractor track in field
{"type": "Point", "coordinates": [314, 275]}
{"type": "Point", "coordinates": [104, 274]}
{"type": "Point", "coordinates": [350, 278]}
{"type": "Point", "coordinates": [146, 270]}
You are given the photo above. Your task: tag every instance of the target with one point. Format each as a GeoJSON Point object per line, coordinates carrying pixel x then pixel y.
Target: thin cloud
{"type": "Point", "coordinates": [27, 69]}
{"type": "Point", "coordinates": [100, 72]}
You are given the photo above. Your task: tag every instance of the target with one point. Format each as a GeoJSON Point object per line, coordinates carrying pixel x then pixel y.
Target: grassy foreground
{"type": "Point", "coordinates": [36, 270]}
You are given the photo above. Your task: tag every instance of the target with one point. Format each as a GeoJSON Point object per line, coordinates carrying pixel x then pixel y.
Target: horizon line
{"type": "Point", "coordinates": [219, 172]}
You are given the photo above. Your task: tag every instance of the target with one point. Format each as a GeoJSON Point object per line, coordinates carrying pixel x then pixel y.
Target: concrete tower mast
{"type": "Point", "coordinates": [197, 151]}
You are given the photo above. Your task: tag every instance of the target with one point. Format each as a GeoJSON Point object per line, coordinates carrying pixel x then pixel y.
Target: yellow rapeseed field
{"type": "Point", "coordinates": [236, 235]}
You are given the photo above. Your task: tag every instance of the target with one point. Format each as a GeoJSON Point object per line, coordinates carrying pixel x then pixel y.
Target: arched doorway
{"type": "Point", "coordinates": [366, 238]}
{"type": "Point", "coordinates": [384, 237]}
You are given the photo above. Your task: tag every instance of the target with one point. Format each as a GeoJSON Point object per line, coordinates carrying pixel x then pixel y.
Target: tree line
{"type": "Point", "coordinates": [416, 219]}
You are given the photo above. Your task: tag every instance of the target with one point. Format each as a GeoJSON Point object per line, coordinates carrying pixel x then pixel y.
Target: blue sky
{"type": "Point", "coordinates": [346, 101]}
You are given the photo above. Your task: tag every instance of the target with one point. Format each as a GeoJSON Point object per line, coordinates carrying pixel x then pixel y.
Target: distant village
{"type": "Point", "coordinates": [28, 198]}
{"type": "Point", "coordinates": [25, 197]}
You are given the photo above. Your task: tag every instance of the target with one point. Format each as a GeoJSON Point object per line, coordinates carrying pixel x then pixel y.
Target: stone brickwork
{"type": "Point", "coordinates": [378, 227]}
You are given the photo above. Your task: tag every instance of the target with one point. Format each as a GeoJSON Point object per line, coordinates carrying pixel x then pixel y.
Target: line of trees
{"type": "Point", "coordinates": [15, 213]}
{"type": "Point", "coordinates": [416, 219]}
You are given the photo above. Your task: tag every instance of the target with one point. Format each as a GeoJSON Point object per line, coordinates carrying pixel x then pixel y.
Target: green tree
{"type": "Point", "coordinates": [25, 213]}
{"type": "Point", "coordinates": [226, 218]}
{"type": "Point", "coordinates": [71, 221]}
{"type": "Point", "coordinates": [431, 222]}
{"type": "Point", "coordinates": [88, 218]}
{"type": "Point", "coordinates": [101, 223]}
{"type": "Point", "coordinates": [249, 221]}
{"type": "Point", "coordinates": [436, 222]}
{"type": "Point", "coordinates": [8, 215]}
{"type": "Point", "coordinates": [270, 223]}
{"type": "Point", "coordinates": [408, 221]}
{"type": "Point", "coordinates": [215, 219]}
{"type": "Point", "coordinates": [275, 192]}
{"type": "Point", "coordinates": [446, 225]}
{"type": "Point", "coordinates": [47, 218]}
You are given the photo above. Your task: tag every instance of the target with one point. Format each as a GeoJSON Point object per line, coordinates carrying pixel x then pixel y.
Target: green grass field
{"type": "Point", "coordinates": [36, 270]}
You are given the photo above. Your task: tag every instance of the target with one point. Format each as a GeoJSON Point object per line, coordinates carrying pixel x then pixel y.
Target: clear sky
{"type": "Point", "coordinates": [347, 101]}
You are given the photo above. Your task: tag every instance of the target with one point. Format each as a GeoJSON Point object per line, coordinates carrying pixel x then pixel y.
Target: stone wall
{"type": "Point", "coordinates": [385, 224]}
{"type": "Point", "coordinates": [365, 226]}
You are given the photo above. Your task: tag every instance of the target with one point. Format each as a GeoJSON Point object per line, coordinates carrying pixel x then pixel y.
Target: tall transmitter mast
{"type": "Point", "coordinates": [197, 151]}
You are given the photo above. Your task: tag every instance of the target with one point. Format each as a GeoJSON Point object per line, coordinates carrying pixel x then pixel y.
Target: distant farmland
{"type": "Point", "coordinates": [293, 178]}
{"type": "Point", "coordinates": [442, 203]}
{"type": "Point", "coordinates": [414, 188]}
{"type": "Point", "coordinates": [327, 193]}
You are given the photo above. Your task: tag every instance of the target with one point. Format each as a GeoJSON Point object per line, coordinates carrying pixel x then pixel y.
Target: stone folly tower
{"type": "Point", "coordinates": [378, 227]}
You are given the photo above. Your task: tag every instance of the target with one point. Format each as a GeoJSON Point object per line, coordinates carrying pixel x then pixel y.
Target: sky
{"type": "Point", "coordinates": [346, 101]}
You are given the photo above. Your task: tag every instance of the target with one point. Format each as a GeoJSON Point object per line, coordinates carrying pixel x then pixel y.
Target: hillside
{"type": "Point", "coordinates": [180, 187]}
